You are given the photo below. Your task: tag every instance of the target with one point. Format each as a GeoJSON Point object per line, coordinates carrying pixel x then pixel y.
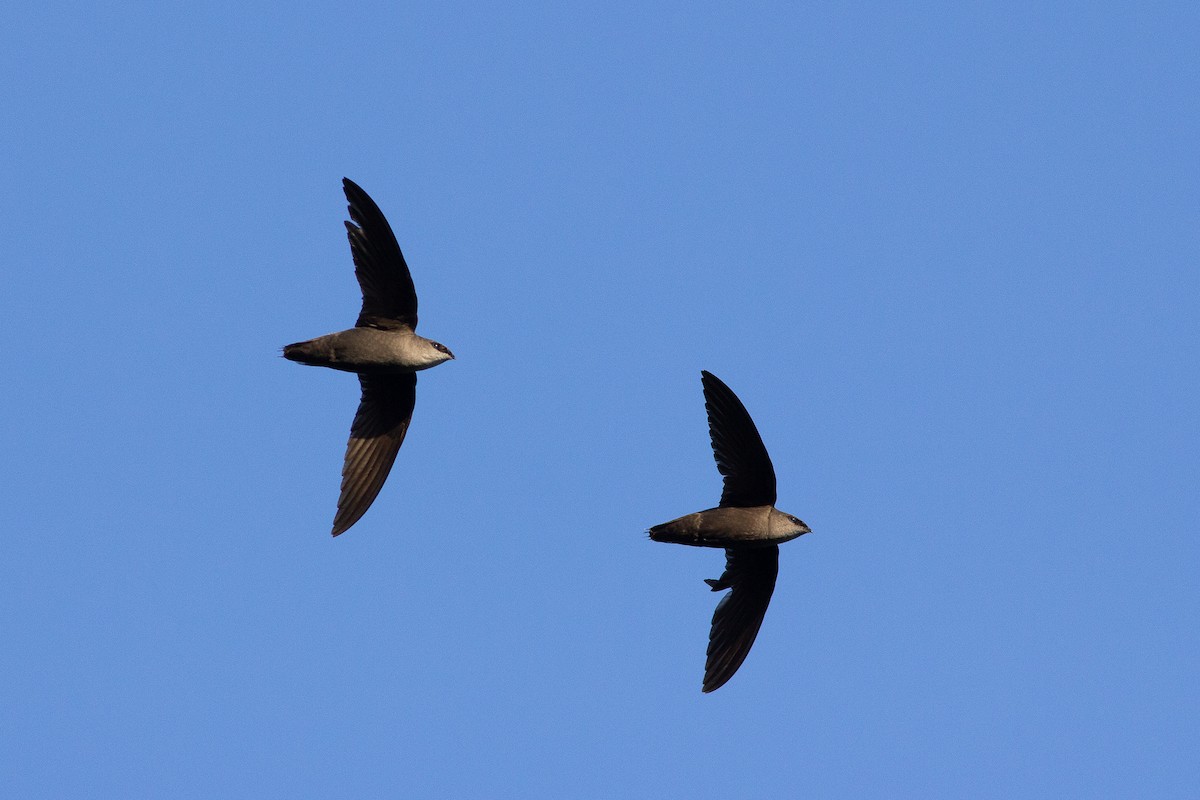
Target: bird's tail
{"type": "Point", "coordinates": [304, 352]}
{"type": "Point", "coordinates": [672, 532]}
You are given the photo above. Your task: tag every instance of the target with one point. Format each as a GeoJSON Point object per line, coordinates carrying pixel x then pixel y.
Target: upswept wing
{"type": "Point", "coordinates": [389, 299]}
{"type": "Point", "coordinates": [741, 456]}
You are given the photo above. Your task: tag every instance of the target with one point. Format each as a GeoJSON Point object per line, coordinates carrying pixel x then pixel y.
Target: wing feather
{"type": "Point", "coordinates": [741, 456]}
{"type": "Point", "coordinates": [389, 298]}
{"type": "Point", "coordinates": [750, 573]}
{"type": "Point", "coordinates": [376, 434]}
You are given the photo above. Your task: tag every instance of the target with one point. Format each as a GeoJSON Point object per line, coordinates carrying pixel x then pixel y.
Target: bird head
{"type": "Point", "coordinates": [786, 526]}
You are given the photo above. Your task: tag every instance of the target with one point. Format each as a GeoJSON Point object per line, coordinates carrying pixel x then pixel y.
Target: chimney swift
{"type": "Point", "coordinates": [383, 348]}
{"type": "Point", "coordinates": [746, 524]}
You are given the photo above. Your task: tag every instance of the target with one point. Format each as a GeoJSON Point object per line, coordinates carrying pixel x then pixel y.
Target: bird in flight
{"type": "Point", "coordinates": [383, 348]}
{"type": "Point", "coordinates": [746, 524]}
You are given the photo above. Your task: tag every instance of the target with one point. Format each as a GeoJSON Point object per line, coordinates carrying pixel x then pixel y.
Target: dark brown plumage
{"type": "Point", "coordinates": [746, 524]}
{"type": "Point", "coordinates": [383, 348]}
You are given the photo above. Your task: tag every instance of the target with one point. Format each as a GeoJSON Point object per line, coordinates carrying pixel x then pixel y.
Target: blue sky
{"type": "Point", "coordinates": [946, 256]}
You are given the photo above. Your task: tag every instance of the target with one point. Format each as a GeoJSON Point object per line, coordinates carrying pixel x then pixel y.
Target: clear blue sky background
{"type": "Point", "coordinates": [947, 257]}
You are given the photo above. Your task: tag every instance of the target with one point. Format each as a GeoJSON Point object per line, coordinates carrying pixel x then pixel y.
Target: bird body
{"type": "Point", "coordinates": [760, 526]}
{"type": "Point", "coordinates": [369, 350]}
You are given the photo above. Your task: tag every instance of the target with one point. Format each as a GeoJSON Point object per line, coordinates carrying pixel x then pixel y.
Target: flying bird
{"type": "Point", "coordinates": [746, 524]}
{"type": "Point", "coordinates": [383, 348]}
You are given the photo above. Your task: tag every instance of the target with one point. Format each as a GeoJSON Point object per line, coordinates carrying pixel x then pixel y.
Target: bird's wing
{"type": "Point", "coordinates": [375, 438]}
{"type": "Point", "coordinates": [750, 573]}
{"type": "Point", "coordinates": [389, 299]}
{"type": "Point", "coordinates": [737, 447]}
